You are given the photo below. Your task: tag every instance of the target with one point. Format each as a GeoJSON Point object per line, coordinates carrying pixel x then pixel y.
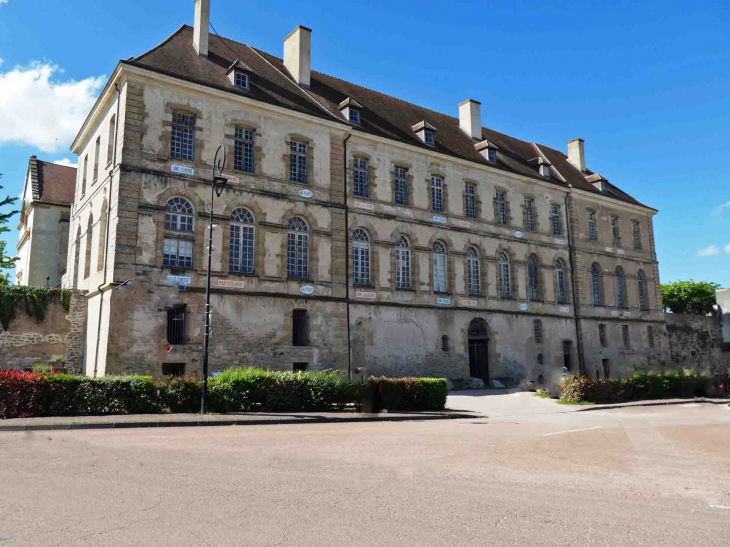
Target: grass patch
{"type": "Point", "coordinates": [562, 401]}
{"type": "Point", "coordinates": [542, 393]}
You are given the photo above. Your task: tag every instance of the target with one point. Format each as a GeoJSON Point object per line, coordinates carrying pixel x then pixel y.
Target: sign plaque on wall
{"type": "Point", "coordinates": [231, 178]}
{"type": "Point", "coordinates": [364, 294]}
{"type": "Point", "coordinates": [523, 307]}
{"type": "Point", "coordinates": [469, 303]}
{"type": "Point", "coordinates": [231, 283]}
{"type": "Point", "coordinates": [306, 193]}
{"type": "Point", "coordinates": [362, 205]}
{"type": "Point", "coordinates": [440, 220]}
{"type": "Point", "coordinates": [179, 280]}
{"type": "Point", "coordinates": [518, 234]}
{"type": "Point", "coordinates": [182, 169]}
{"type": "Point", "coordinates": [443, 301]}
{"type": "Point", "coordinates": [306, 289]}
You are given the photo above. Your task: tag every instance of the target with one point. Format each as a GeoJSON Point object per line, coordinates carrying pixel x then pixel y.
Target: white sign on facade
{"type": "Point", "coordinates": [469, 303]}
{"type": "Point", "coordinates": [179, 280]}
{"type": "Point", "coordinates": [614, 312]}
{"type": "Point", "coordinates": [523, 307]}
{"type": "Point", "coordinates": [559, 241]}
{"type": "Point", "coordinates": [306, 289]}
{"type": "Point", "coordinates": [518, 234]}
{"type": "Point", "coordinates": [463, 224]}
{"type": "Point", "coordinates": [231, 178]}
{"type": "Point", "coordinates": [361, 205]}
{"type": "Point", "coordinates": [231, 283]}
{"type": "Point", "coordinates": [440, 220]}
{"type": "Point", "coordinates": [627, 314]}
{"type": "Point", "coordinates": [564, 309]}
{"type": "Point", "coordinates": [182, 169]}
{"type": "Point", "coordinates": [621, 251]}
{"type": "Point", "coordinates": [609, 249]}
{"type": "Point", "coordinates": [443, 301]}
{"type": "Point", "coordinates": [364, 294]}
{"type": "Point", "coordinates": [306, 193]}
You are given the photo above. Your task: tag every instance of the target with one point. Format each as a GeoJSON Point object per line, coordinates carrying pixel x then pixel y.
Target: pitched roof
{"type": "Point", "coordinates": [381, 114]}
{"type": "Point", "coordinates": [52, 183]}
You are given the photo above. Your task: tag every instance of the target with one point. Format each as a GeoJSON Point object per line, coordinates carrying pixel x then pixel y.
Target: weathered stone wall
{"type": "Point", "coordinates": [695, 342]}
{"type": "Point", "coordinates": [61, 333]}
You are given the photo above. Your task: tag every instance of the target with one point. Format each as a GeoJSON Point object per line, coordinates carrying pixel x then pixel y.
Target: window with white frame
{"type": "Point", "coordinates": [473, 271]}
{"type": "Point", "coordinates": [596, 284]}
{"type": "Point", "coordinates": [241, 258]}
{"type": "Point", "coordinates": [537, 330]}
{"type": "Point", "coordinates": [297, 257]}
{"type": "Point", "coordinates": [243, 150]}
{"type": "Point", "coordinates": [428, 137]}
{"type": "Point", "coordinates": [641, 282]}
{"type": "Point", "coordinates": [437, 194]}
{"type": "Point", "coordinates": [555, 219]}
{"type": "Point", "coordinates": [179, 215]}
{"type": "Point", "coordinates": [402, 264]}
{"type": "Point", "coordinates": [178, 253]}
{"type": "Point", "coordinates": [241, 80]}
{"type": "Point", "coordinates": [492, 156]}
{"type": "Point", "coordinates": [533, 279]}
{"type": "Point", "coordinates": [530, 214]}
{"type": "Point", "coordinates": [401, 187]}
{"type": "Point", "coordinates": [182, 146]}
{"type": "Point", "coordinates": [591, 226]}
{"type": "Point", "coordinates": [560, 282]}
{"type": "Point", "coordinates": [361, 177]}
{"type": "Point", "coordinates": [298, 162]}
{"type": "Point", "coordinates": [504, 276]}
{"type": "Point", "coordinates": [615, 232]}
{"type": "Point", "coordinates": [620, 293]}
{"type": "Point", "coordinates": [500, 207]}
{"type": "Point", "coordinates": [354, 116]}
{"type": "Point", "coordinates": [470, 201]}
{"type": "Point", "coordinates": [361, 258]}
{"type": "Point", "coordinates": [636, 231]}
{"type": "Point", "coordinates": [439, 267]}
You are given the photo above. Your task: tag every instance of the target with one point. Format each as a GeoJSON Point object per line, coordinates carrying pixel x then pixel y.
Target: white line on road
{"type": "Point", "coordinates": [719, 506]}
{"type": "Point", "coordinates": [572, 431]}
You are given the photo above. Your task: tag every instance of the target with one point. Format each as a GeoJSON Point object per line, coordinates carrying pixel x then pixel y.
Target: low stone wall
{"type": "Point", "coordinates": [61, 334]}
{"type": "Point", "coordinates": [695, 341]}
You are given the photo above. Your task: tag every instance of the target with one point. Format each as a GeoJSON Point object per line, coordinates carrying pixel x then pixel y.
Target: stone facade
{"type": "Point", "coordinates": [696, 343]}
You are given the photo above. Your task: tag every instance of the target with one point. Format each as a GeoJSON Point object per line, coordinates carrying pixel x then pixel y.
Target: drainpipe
{"type": "Point", "coordinates": [108, 229]}
{"type": "Point", "coordinates": [347, 256]}
{"type": "Point", "coordinates": [574, 279]}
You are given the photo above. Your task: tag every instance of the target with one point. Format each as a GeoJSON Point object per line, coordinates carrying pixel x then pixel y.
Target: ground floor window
{"type": "Point", "coordinates": [300, 328]}
{"type": "Point", "coordinates": [176, 325]}
{"type": "Point", "coordinates": [300, 367]}
{"type": "Point", "coordinates": [567, 351]}
{"type": "Point", "coordinates": [173, 369]}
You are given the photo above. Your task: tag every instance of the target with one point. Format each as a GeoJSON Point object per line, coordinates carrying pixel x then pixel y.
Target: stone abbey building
{"type": "Point", "coordinates": [357, 231]}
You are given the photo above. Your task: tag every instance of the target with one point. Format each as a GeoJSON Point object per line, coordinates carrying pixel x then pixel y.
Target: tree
{"type": "Point", "coordinates": [691, 297]}
{"type": "Point", "coordinates": [6, 261]}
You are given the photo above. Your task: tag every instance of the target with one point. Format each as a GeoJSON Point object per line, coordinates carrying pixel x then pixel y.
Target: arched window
{"type": "Point", "coordinates": [560, 282]}
{"type": "Point", "coordinates": [641, 282]}
{"type": "Point", "coordinates": [102, 237]}
{"type": "Point", "coordinates": [242, 241]}
{"type": "Point", "coordinates": [504, 273]}
{"type": "Point", "coordinates": [89, 234]}
{"type": "Point", "coordinates": [473, 270]}
{"type": "Point", "coordinates": [179, 215]}
{"type": "Point", "coordinates": [402, 264]}
{"type": "Point", "coordinates": [439, 267]}
{"type": "Point", "coordinates": [533, 279]}
{"type": "Point", "coordinates": [596, 284]}
{"type": "Point", "coordinates": [620, 292]}
{"type": "Point", "coordinates": [361, 258]}
{"type": "Point", "coordinates": [77, 253]}
{"type": "Point", "coordinates": [297, 257]}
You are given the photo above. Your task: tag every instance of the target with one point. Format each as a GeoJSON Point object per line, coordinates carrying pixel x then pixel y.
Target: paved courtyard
{"type": "Point", "coordinates": [535, 473]}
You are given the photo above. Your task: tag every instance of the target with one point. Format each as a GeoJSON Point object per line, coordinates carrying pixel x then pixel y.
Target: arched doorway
{"type": "Point", "coordinates": [478, 354]}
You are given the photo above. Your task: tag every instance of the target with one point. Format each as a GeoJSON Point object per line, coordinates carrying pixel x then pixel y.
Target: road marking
{"type": "Point", "coordinates": [572, 431]}
{"type": "Point", "coordinates": [726, 507]}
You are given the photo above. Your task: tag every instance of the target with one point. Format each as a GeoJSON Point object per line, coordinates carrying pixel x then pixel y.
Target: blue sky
{"type": "Point", "coordinates": [644, 83]}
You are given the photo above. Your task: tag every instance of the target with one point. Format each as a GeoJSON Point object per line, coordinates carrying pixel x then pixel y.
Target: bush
{"type": "Point", "coordinates": [19, 393]}
{"type": "Point", "coordinates": [410, 393]}
{"type": "Point", "coordinates": [640, 386]}
{"type": "Point", "coordinates": [181, 394]}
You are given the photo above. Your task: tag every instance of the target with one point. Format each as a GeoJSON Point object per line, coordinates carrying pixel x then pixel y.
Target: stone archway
{"type": "Point", "coordinates": [478, 350]}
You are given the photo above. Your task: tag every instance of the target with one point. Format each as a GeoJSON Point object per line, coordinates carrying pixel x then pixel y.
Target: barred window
{"type": "Point", "coordinates": [592, 226]}
{"type": "Point", "coordinates": [636, 231]}
{"type": "Point", "coordinates": [602, 335]}
{"type": "Point", "coordinates": [300, 330]}
{"type": "Point", "coordinates": [596, 284]}
{"type": "Point", "coordinates": [402, 264]}
{"type": "Point", "coordinates": [439, 267]}
{"type": "Point", "coordinates": [470, 205]}
{"type": "Point", "coordinates": [183, 136]}
{"type": "Point", "coordinates": [504, 276]}
{"type": "Point", "coordinates": [473, 271]}
{"type": "Point", "coordinates": [437, 193]}
{"type": "Point", "coordinates": [530, 214]}
{"type": "Point", "coordinates": [297, 258]}
{"type": "Point", "coordinates": [361, 258]}
{"type": "Point", "coordinates": [500, 207]}
{"type": "Point", "coordinates": [620, 296]}
{"type": "Point", "coordinates": [615, 233]}
{"type": "Point", "coordinates": [361, 178]}
{"type": "Point", "coordinates": [176, 325]}
{"type": "Point", "coordinates": [537, 328]}
{"type": "Point", "coordinates": [178, 253]}
{"type": "Point", "coordinates": [641, 282]}
{"type": "Point", "coordinates": [179, 215]}
{"type": "Point", "coordinates": [560, 282]}
{"type": "Point", "coordinates": [533, 279]}
{"type": "Point", "coordinates": [298, 165]}
{"type": "Point", "coordinates": [401, 189]}
{"type": "Point", "coordinates": [243, 150]}
{"type": "Point", "coordinates": [555, 219]}
{"type": "Point", "coordinates": [625, 334]}
{"type": "Point", "coordinates": [242, 241]}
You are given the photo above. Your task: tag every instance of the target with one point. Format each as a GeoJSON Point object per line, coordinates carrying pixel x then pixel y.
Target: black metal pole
{"type": "Point", "coordinates": [206, 340]}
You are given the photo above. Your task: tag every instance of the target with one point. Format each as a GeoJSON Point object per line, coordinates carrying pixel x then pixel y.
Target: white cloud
{"type": "Point", "coordinates": [719, 208]}
{"type": "Point", "coordinates": [710, 250]}
{"type": "Point", "coordinates": [67, 162]}
{"type": "Point", "coordinates": [3, 1]}
{"type": "Point", "coordinates": [38, 110]}
{"type": "Point", "coordinates": [1, 61]}
{"type": "Point", "coordinates": [727, 249]}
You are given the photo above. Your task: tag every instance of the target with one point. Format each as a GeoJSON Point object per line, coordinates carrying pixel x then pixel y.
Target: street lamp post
{"type": "Point", "coordinates": [216, 189]}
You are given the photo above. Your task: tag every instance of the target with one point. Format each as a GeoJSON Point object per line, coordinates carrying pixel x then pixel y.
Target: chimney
{"type": "Point", "coordinates": [577, 154]}
{"type": "Point", "coordinates": [202, 21]}
{"type": "Point", "coordinates": [298, 54]}
{"type": "Point", "coordinates": [470, 118]}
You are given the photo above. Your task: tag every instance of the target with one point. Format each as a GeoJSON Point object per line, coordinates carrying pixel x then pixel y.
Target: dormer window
{"type": "Point", "coordinates": [545, 171]}
{"type": "Point", "coordinates": [598, 182]}
{"type": "Point", "coordinates": [426, 132]}
{"type": "Point", "coordinates": [354, 116]}
{"type": "Point", "coordinates": [350, 109]}
{"type": "Point", "coordinates": [543, 166]}
{"type": "Point", "coordinates": [241, 80]}
{"type": "Point", "coordinates": [492, 155]}
{"type": "Point", "coordinates": [429, 138]}
{"type": "Point", "coordinates": [239, 75]}
{"type": "Point", "coordinates": [488, 150]}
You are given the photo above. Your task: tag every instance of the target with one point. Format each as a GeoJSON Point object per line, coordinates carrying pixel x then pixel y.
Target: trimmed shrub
{"type": "Point", "coordinates": [638, 387]}
{"type": "Point", "coordinates": [239, 389]}
{"type": "Point", "coordinates": [19, 393]}
{"type": "Point", "coordinates": [181, 394]}
{"type": "Point", "coordinates": [410, 393]}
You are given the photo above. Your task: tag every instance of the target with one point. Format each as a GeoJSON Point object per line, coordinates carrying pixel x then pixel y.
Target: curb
{"type": "Point", "coordinates": [212, 423]}
{"type": "Point", "coordinates": [655, 403]}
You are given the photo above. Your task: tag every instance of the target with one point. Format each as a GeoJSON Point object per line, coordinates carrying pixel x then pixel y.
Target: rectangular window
{"type": "Point", "coordinates": [298, 167]}
{"type": "Point", "coordinates": [650, 336]}
{"type": "Point", "coordinates": [492, 155]}
{"type": "Point", "coordinates": [567, 352]}
{"type": "Point", "coordinates": [555, 219]}
{"type": "Point", "coordinates": [361, 177]}
{"type": "Point", "coordinates": [428, 137]}
{"type": "Point", "coordinates": [298, 255]}
{"type": "Point", "coordinates": [537, 325]}
{"type": "Point", "coordinates": [591, 226]}
{"type": "Point", "coordinates": [176, 325]}
{"type": "Point", "coordinates": [402, 269]}
{"type": "Point", "coordinates": [529, 214]}
{"type": "Point", "coordinates": [300, 328]}
{"type": "Point", "coordinates": [183, 137]}
{"type": "Point", "coordinates": [241, 253]}
{"type": "Point", "coordinates": [173, 369]}
{"type": "Point", "coordinates": [241, 80]}
{"type": "Point", "coordinates": [361, 263]}
{"type": "Point", "coordinates": [625, 334]}
{"type": "Point", "coordinates": [401, 192]}
{"type": "Point", "coordinates": [500, 208]}
{"type": "Point", "coordinates": [97, 151]}
{"type": "Point", "coordinates": [616, 236]}
{"type": "Point", "coordinates": [300, 367]}
{"type": "Point", "coordinates": [637, 235]}
{"type": "Point", "coordinates": [110, 144]}
{"type": "Point", "coordinates": [354, 116]}
{"type": "Point", "coordinates": [243, 150]}
{"type": "Point", "coordinates": [602, 336]}
{"type": "Point", "coordinates": [606, 369]}
{"type": "Point", "coordinates": [437, 194]}
{"type": "Point", "coordinates": [83, 183]}
{"type": "Point", "coordinates": [470, 206]}
{"type": "Point", "coordinates": [178, 253]}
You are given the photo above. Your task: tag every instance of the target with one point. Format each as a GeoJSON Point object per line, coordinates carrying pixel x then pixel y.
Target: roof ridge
{"type": "Point", "coordinates": [54, 164]}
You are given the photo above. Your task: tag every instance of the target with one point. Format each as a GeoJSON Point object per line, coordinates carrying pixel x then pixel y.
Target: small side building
{"type": "Point", "coordinates": [44, 223]}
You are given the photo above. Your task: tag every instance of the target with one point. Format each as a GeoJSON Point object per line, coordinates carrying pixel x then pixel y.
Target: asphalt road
{"type": "Point", "coordinates": [540, 475]}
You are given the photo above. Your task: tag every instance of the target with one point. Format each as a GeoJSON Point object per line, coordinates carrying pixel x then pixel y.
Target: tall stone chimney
{"type": "Point", "coordinates": [202, 21]}
{"type": "Point", "coordinates": [470, 118]}
{"type": "Point", "coordinates": [577, 154]}
{"type": "Point", "coordinates": [298, 54]}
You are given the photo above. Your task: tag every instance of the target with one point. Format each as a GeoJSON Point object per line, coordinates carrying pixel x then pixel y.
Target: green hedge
{"type": "Point", "coordinates": [638, 387]}
{"type": "Point", "coordinates": [410, 393]}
